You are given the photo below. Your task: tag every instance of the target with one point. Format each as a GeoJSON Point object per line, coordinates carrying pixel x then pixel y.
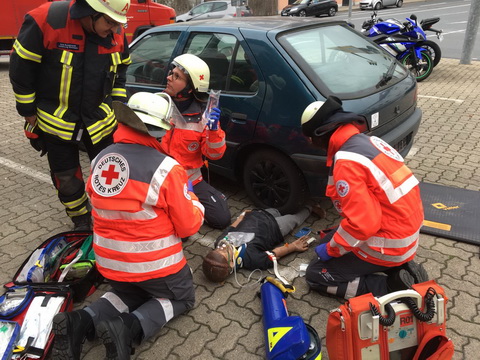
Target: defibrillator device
{"type": "Point", "coordinates": [286, 337]}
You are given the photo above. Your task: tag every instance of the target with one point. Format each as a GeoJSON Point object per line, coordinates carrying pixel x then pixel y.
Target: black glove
{"type": "Point", "coordinates": [34, 134]}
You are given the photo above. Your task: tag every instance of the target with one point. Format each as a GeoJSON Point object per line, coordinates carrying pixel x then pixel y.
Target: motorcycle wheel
{"type": "Point", "coordinates": [424, 67]}
{"type": "Point", "coordinates": [434, 50]}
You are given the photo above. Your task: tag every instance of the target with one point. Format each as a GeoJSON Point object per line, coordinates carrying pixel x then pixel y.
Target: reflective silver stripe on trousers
{"type": "Point", "coordinates": [146, 214]}
{"type": "Point", "coordinates": [116, 302]}
{"type": "Point", "coordinates": [142, 267]}
{"type": "Point", "coordinates": [157, 181]}
{"type": "Point", "coordinates": [392, 193]}
{"type": "Point", "coordinates": [352, 288]}
{"type": "Point", "coordinates": [136, 247]}
{"type": "Point", "coordinates": [167, 308]}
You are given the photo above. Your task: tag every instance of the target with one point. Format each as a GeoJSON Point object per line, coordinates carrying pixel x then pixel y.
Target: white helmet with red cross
{"type": "Point", "coordinates": [115, 9]}
{"type": "Point", "coordinates": [196, 69]}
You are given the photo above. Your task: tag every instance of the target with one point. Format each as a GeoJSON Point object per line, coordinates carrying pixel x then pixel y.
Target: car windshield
{"type": "Point", "coordinates": [339, 61]}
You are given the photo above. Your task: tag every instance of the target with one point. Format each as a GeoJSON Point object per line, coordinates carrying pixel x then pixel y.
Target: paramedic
{"type": "Point", "coordinates": [379, 200]}
{"type": "Point", "coordinates": [142, 207]}
{"type": "Point", "coordinates": [67, 65]}
{"type": "Point", "coordinates": [192, 141]}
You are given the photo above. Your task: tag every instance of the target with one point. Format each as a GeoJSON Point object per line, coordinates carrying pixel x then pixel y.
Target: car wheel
{"type": "Point", "coordinates": [399, 3]}
{"type": "Point", "coordinates": [302, 13]}
{"type": "Point", "coordinates": [378, 5]}
{"type": "Point", "coordinates": [272, 180]}
{"type": "Point", "coordinates": [332, 11]}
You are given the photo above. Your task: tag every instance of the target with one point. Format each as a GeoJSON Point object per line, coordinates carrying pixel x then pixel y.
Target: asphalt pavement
{"type": "Point", "coordinates": [226, 321]}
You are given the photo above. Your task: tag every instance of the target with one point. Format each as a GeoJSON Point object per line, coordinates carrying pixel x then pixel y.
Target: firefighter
{"type": "Point", "coordinates": [142, 207]}
{"type": "Point", "coordinates": [193, 141]}
{"type": "Point", "coordinates": [67, 65]}
{"type": "Point", "coordinates": [379, 200]}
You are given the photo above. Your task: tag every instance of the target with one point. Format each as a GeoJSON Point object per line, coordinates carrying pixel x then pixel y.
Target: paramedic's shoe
{"type": "Point", "coordinates": [400, 279]}
{"type": "Point", "coordinates": [71, 329]}
{"type": "Point", "coordinates": [117, 339]}
{"type": "Point", "coordinates": [82, 222]}
{"type": "Point", "coordinates": [417, 271]}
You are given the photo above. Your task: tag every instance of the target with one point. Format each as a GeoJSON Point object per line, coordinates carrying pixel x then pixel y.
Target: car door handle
{"type": "Point", "coordinates": [238, 118]}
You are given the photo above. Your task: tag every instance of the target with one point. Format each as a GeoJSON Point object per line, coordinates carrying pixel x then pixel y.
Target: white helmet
{"type": "Point", "coordinates": [196, 69]}
{"type": "Point", "coordinates": [116, 9]}
{"type": "Point", "coordinates": [146, 112]}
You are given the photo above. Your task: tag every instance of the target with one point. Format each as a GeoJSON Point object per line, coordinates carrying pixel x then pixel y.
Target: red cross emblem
{"type": "Point", "coordinates": [110, 174]}
{"type": "Point", "coordinates": [341, 188]}
{"type": "Point", "coordinates": [202, 77]}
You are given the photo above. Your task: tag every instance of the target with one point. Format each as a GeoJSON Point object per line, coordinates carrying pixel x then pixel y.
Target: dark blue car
{"type": "Point", "coordinates": [269, 69]}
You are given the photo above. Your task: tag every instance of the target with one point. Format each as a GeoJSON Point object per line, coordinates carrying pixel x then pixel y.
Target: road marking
{"type": "Point", "coordinates": [453, 32]}
{"type": "Point", "coordinates": [458, 101]}
{"type": "Point", "coordinates": [25, 170]}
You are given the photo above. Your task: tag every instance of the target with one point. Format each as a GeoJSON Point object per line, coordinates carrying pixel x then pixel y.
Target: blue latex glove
{"type": "Point", "coordinates": [189, 186]}
{"type": "Point", "coordinates": [322, 253]}
{"type": "Point", "coordinates": [213, 119]}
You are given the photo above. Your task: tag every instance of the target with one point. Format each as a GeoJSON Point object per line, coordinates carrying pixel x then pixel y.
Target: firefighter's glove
{"type": "Point", "coordinates": [189, 186]}
{"type": "Point", "coordinates": [322, 253]}
{"type": "Point", "coordinates": [34, 134]}
{"type": "Point", "coordinates": [214, 118]}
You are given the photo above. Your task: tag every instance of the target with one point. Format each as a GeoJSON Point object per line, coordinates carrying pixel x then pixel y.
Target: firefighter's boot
{"type": "Point", "coordinates": [82, 222]}
{"type": "Point", "coordinates": [71, 329]}
{"type": "Point", "coordinates": [119, 335]}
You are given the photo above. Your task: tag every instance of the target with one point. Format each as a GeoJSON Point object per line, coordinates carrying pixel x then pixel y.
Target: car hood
{"type": "Point", "coordinates": [184, 17]}
{"type": "Point", "coordinates": [288, 7]}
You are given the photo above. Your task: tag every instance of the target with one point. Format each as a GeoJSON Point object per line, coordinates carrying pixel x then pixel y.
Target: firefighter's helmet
{"type": "Point", "coordinates": [146, 112]}
{"type": "Point", "coordinates": [196, 69]}
{"type": "Point", "coordinates": [115, 9]}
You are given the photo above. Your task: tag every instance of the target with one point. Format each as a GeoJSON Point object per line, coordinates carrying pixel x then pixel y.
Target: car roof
{"type": "Point", "coordinates": [265, 23]}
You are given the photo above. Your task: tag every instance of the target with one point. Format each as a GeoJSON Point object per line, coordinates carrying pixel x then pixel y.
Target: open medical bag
{"type": "Point", "coordinates": [403, 325]}
{"type": "Point", "coordinates": [62, 270]}
{"type": "Point", "coordinates": [65, 259]}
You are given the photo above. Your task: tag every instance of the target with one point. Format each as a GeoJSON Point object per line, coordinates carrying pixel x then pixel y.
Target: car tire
{"type": "Point", "coordinates": [302, 13]}
{"type": "Point", "coordinates": [332, 11]}
{"type": "Point", "coordinates": [399, 3]}
{"type": "Point", "coordinates": [378, 6]}
{"type": "Point", "coordinates": [272, 180]}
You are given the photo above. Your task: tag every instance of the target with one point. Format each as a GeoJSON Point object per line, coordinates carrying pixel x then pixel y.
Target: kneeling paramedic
{"type": "Point", "coordinates": [142, 207]}
{"type": "Point", "coordinates": [379, 200]}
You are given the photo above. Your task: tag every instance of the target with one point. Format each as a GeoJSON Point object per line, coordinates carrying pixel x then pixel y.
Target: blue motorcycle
{"type": "Point", "coordinates": [407, 42]}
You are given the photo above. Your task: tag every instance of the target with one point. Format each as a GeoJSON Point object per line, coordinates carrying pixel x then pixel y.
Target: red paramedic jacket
{"type": "Point", "coordinates": [378, 197]}
{"type": "Point", "coordinates": [142, 209]}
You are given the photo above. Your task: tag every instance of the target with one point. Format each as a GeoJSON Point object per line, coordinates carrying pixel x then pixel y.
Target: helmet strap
{"type": "Point", "coordinates": [185, 93]}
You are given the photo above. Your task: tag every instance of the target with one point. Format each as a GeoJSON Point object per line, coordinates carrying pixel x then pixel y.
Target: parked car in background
{"type": "Point", "coordinates": [269, 69]}
{"type": "Point", "coordinates": [214, 10]}
{"type": "Point", "coordinates": [379, 4]}
{"type": "Point", "coordinates": [310, 8]}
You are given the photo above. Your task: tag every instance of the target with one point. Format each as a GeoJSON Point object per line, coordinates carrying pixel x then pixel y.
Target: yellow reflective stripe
{"type": "Point", "coordinates": [127, 61]}
{"type": "Point", "coordinates": [75, 203]}
{"type": "Point", "coordinates": [113, 68]}
{"type": "Point", "coordinates": [54, 125]}
{"type": "Point", "coordinates": [25, 54]}
{"type": "Point", "coordinates": [25, 99]}
{"type": "Point", "coordinates": [102, 128]}
{"type": "Point", "coordinates": [82, 211]}
{"type": "Point", "coordinates": [119, 92]}
{"type": "Point", "coordinates": [105, 108]}
{"type": "Point", "coordinates": [116, 59]}
{"type": "Point", "coordinates": [65, 83]}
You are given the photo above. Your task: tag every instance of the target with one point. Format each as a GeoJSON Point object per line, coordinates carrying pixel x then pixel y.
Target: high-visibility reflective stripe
{"type": "Point", "coordinates": [401, 174]}
{"type": "Point", "coordinates": [139, 268]}
{"type": "Point", "coordinates": [199, 205]}
{"type": "Point", "coordinates": [113, 68]}
{"type": "Point", "coordinates": [65, 83]}
{"type": "Point", "coordinates": [167, 307]}
{"type": "Point", "coordinates": [352, 288]}
{"type": "Point", "coordinates": [116, 59]}
{"type": "Point", "coordinates": [75, 203]}
{"type": "Point", "coordinates": [389, 258]}
{"type": "Point", "coordinates": [332, 290]}
{"type": "Point", "coordinates": [26, 98]}
{"type": "Point", "coordinates": [215, 145]}
{"type": "Point", "coordinates": [127, 61]}
{"type": "Point", "coordinates": [25, 54]}
{"type": "Point", "coordinates": [119, 92]}
{"type": "Point", "coordinates": [194, 174]}
{"type": "Point", "coordinates": [84, 210]}
{"type": "Point", "coordinates": [54, 125]}
{"type": "Point", "coordinates": [146, 214]}
{"type": "Point", "coordinates": [116, 302]}
{"type": "Point", "coordinates": [137, 247]}
{"type": "Point", "coordinates": [376, 241]}
{"type": "Point", "coordinates": [105, 108]}
{"type": "Point", "coordinates": [102, 128]}
{"type": "Point", "coordinates": [157, 180]}
{"type": "Point", "coordinates": [214, 155]}
{"type": "Point", "coordinates": [330, 180]}
{"type": "Point", "coordinates": [393, 193]}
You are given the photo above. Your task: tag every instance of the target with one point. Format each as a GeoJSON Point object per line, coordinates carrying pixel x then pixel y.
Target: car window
{"type": "Point", "coordinates": [219, 6]}
{"type": "Point", "coordinates": [230, 68]}
{"type": "Point", "coordinates": [151, 57]}
{"type": "Point", "coordinates": [202, 9]}
{"type": "Point", "coordinates": [337, 60]}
